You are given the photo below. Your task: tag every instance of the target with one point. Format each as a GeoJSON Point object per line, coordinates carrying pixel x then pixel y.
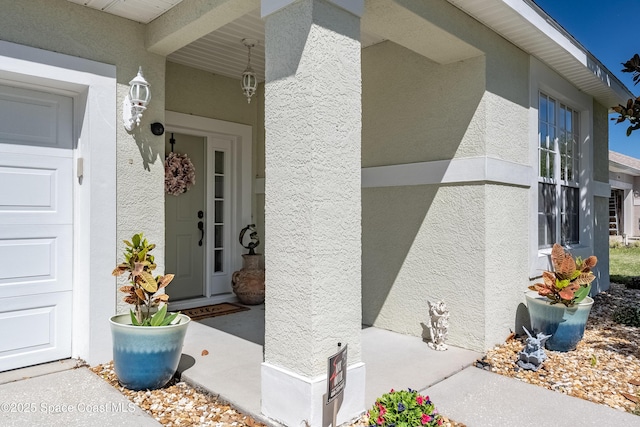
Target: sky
{"type": "Point", "coordinates": [609, 30]}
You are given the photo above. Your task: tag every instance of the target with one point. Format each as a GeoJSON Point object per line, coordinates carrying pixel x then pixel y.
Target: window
{"type": "Point", "coordinates": [558, 193]}
{"type": "Point", "coordinates": [219, 205]}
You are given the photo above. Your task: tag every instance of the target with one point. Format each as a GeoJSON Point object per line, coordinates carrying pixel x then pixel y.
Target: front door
{"type": "Point", "coordinates": [36, 227]}
{"type": "Point", "coordinates": [199, 222]}
{"type": "Point", "coordinates": [184, 216]}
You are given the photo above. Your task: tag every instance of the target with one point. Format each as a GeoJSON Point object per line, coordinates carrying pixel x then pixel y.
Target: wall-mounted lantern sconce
{"type": "Point", "coordinates": [136, 101]}
{"type": "Point", "coordinates": [249, 81]}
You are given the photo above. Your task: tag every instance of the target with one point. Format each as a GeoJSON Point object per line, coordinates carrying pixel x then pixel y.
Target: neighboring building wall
{"type": "Point", "coordinates": [629, 184]}
{"type": "Point", "coordinates": [625, 183]}
{"type": "Point", "coordinates": [635, 201]}
{"type": "Point", "coordinates": [624, 179]}
{"type": "Point", "coordinates": [86, 33]}
{"type": "Point", "coordinates": [424, 242]}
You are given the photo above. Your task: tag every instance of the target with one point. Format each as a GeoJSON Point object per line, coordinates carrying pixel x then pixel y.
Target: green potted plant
{"type": "Point", "coordinates": [147, 341]}
{"type": "Point", "coordinates": [560, 305]}
{"type": "Point", "coordinates": [403, 408]}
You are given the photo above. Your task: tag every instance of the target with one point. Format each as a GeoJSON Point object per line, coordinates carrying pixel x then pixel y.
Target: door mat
{"type": "Point", "coordinates": [200, 313]}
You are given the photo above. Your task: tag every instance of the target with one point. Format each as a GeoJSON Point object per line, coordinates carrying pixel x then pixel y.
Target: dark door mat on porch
{"type": "Point", "coordinates": [200, 313]}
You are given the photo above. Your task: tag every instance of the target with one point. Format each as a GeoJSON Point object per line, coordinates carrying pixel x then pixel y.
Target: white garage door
{"type": "Point", "coordinates": [36, 227]}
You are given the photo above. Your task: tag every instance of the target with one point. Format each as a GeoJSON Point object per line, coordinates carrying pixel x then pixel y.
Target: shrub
{"type": "Point", "coordinates": [615, 243]}
{"type": "Point", "coordinates": [404, 408]}
{"type": "Point", "coordinates": [627, 315]}
{"type": "Point", "coordinates": [623, 280]}
{"type": "Point", "coordinates": [633, 283]}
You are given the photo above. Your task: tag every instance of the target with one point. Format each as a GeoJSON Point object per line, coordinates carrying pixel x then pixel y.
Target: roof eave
{"type": "Point", "coordinates": [526, 25]}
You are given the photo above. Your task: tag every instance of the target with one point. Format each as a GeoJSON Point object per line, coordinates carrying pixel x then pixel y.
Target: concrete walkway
{"type": "Point", "coordinates": [232, 366]}
{"type": "Point", "coordinates": [69, 398]}
{"type": "Point", "coordinates": [483, 399]}
{"type": "Point", "coordinates": [231, 369]}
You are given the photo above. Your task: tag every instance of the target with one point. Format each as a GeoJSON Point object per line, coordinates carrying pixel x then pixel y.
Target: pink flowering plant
{"type": "Point", "coordinates": [404, 408]}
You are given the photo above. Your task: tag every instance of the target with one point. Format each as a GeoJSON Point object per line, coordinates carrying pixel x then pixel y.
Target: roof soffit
{"type": "Point", "coordinates": [394, 20]}
{"type": "Point", "coordinates": [527, 26]}
{"type": "Point", "coordinates": [188, 22]}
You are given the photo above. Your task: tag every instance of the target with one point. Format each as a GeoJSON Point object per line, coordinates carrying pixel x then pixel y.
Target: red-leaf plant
{"type": "Point", "coordinates": [142, 292]}
{"type": "Point", "coordinates": [570, 282]}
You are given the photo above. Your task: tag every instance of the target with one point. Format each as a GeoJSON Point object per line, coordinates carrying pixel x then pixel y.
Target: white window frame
{"type": "Point", "coordinates": [545, 80]}
{"type": "Point", "coordinates": [562, 165]}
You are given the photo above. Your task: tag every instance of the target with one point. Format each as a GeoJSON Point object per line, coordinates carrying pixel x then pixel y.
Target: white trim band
{"type": "Point", "coordinates": [471, 169]}
{"type": "Point", "coordinates": [290, 398]}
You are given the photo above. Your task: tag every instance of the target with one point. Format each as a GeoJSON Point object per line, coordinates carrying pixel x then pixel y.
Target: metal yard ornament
{"type": "Point", "coordinates": [532, 355]}
{"type": "Point", "coordinates": [253, 235]}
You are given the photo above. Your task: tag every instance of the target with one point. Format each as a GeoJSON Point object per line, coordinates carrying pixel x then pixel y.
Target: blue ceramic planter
{"type": "Point", "coordinates": [564, 324]}
{"type": "Point", "coordinates": [146, 357]}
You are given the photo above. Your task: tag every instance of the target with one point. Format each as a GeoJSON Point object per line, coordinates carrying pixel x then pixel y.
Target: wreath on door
{"type": "Point", "coordinates": [179, 174]}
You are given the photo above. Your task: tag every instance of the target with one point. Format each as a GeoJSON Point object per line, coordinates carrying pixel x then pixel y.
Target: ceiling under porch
{"type": "Point", "coordinates": [222, 52]}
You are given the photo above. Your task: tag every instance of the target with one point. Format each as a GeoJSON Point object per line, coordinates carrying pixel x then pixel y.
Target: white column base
{"type": "Point", "coordinates": [292, 399]}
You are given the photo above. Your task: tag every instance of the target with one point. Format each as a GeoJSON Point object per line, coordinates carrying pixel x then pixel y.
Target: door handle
{"type": "Point", "coordinates": [201, 228]}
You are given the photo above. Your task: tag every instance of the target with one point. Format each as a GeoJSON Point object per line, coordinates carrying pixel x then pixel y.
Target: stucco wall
{"type": "Point", "coordinates": [312, 187]}
{"type": "Point", "coordinates": [201, 93]}
{"type": "Point", "coordinates": [416, 110]}
{"type": "Point", "coordinates": [601, 204]}
{"type": "Point", "coordinates": [64, 27]}
{"type": "Point", "coordinates": [600, 143]}
{"type": "Point", "coordinates": [424, 243]}
{"type": "Point", "coordinates": [507, 253]}
{"type": "Point", "coordinates": [197, 92]}
{"type": "Point", "coordinates": [507, 103]}
{"type": "Point", "coordinates": [465, 245]}
{"type": "Point", "coordinates": [601, 245]}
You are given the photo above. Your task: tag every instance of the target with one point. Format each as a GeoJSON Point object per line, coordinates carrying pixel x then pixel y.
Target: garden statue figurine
{"type": "Point", "coordinates": [439, 325]}
{"type": "Point", "coordinates": [532, 355]}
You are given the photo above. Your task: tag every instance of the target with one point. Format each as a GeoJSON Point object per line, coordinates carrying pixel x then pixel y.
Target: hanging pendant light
{"type": "Point", "coordinates": [249, 82]}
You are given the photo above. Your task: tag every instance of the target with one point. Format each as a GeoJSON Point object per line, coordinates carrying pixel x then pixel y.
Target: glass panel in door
{"type": "Point", "coordinates": [220, 216]}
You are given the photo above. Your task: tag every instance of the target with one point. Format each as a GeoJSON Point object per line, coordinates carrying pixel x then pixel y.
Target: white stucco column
{"type": "Point", "coordinates": [312, 207]}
